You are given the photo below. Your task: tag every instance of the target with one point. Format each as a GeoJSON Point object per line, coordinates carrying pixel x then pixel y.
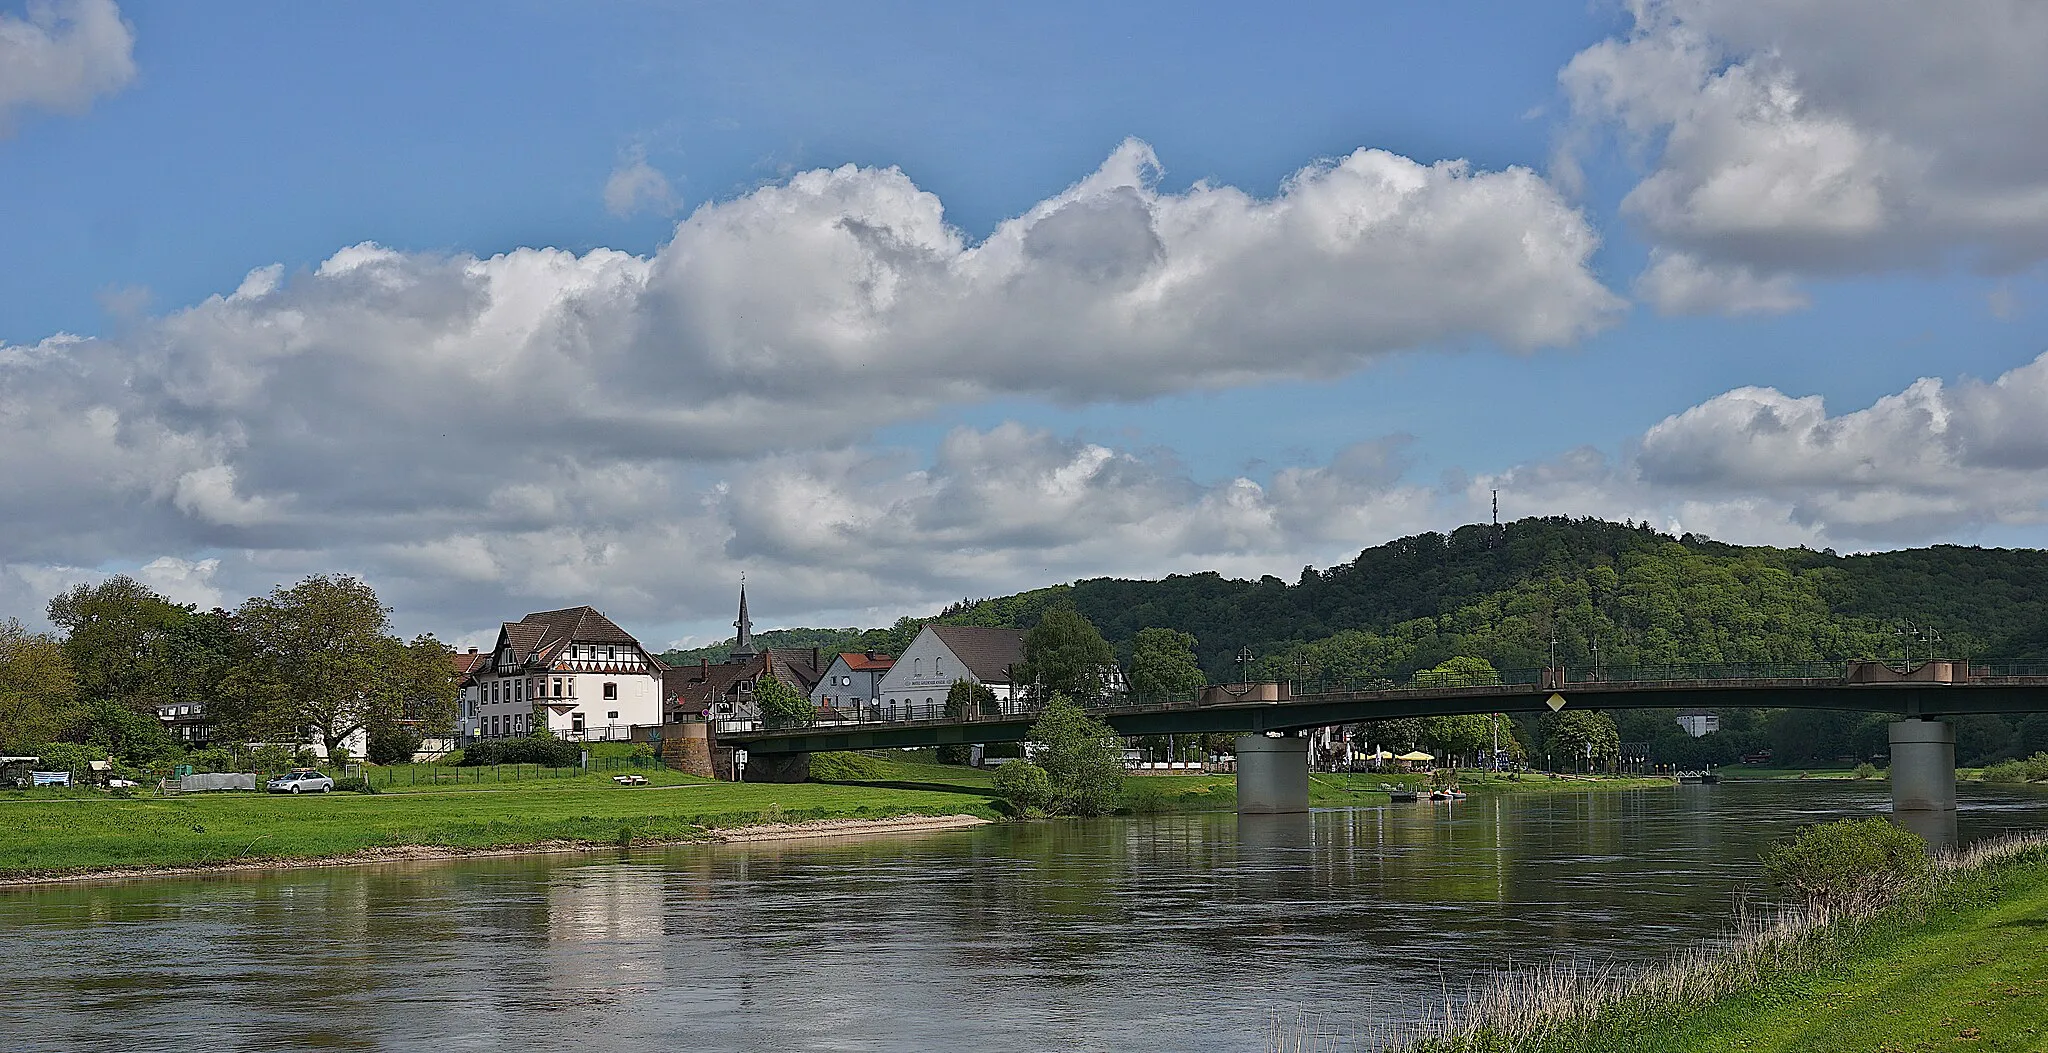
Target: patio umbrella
{"type": "Point", "coordinates": [1416, 755]}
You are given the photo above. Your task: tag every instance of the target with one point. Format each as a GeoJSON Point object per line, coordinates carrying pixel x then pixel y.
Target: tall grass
{"type": "Point", "coordinates": [1574, 1005]}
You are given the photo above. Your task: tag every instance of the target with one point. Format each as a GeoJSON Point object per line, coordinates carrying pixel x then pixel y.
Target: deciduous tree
{"type": "Point", "coordinates": [1163, 664]}
{"type": "Point", "coordinates": [781, 705]}
{"type": "Point", "coordinates": [1082, 758]}
{"type": "Point", "coordinates": [1064, 655]}
{"type": "Point", "coordinates": [37, 687]}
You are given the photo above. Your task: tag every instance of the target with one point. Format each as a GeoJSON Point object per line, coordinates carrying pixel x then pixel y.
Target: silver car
{"type": "Point", "coordinates": [300, 782]}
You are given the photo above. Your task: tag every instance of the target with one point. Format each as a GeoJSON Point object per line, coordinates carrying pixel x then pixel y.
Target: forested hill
{"type": "Point", "coordinates": [1500, 593]}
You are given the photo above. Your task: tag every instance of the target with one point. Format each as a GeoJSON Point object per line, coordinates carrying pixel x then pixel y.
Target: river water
{"type": "Point", "coordinates": [1181, 932]}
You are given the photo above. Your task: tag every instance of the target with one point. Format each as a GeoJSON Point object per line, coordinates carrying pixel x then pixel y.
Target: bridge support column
{"type": "Point", "coordinates": [1272, 775]}
{"type": "Point", "coordinates": [1923, 774]}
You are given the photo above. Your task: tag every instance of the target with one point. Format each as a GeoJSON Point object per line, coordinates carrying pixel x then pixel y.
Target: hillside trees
{"type": "Point", "coordinates": [1163, 664]}
{"type": "Point", "coordinates": [1580, 735]}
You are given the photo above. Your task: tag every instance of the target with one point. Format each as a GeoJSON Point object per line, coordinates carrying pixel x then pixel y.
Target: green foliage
{"type": "Point", "coordinates": [781, 705]}
{"type": "Point", "coordinates": [1026, 786]}
{"type": "Point", "coordinates": [1462, 671]}
{"type": "Point", "coordinates": [331, 665]}
{"type": "Point", "coordinates": [1082, 758]}
{"type": "Point", "coordinates": [1163, 664]}
{"type": "Point", "coordinates": [525, 749]}
{"type": "Point", "coordinates": [357, 784]}
{"type": "Point", "coordinates": [1575, 734]}
{"type": "Point", "coordinates": [1065, 655]}
{"type": "Point", "coordinates": [1867, 770]}
{"type": "Point", "coordinates": [2031, 769]}
{"type": "Point", "coordinates": [1850, 862]}
{"type": "Point", "coordinates": [37, 687]}
{"type": "Point", "coordinates": [392, 744]}
{"type": "Point", "coordinates": [963, 700]}
{"type": "Point", "coordinates": [115, 635]}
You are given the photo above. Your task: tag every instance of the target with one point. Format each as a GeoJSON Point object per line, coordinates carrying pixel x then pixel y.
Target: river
{"type": "Point", "coordinates": [1178, 932]}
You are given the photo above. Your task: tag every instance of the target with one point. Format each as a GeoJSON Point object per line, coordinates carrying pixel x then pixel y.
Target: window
{"type": "Point", "coordinates": [938, 667]}
{"type": "Point", "coordinates": [917, 667]}
{"type": "Point", "coordinates": [611, 691]}
{"type": "Point", "coordinates": [576, 722]}
{"type": "Point", "coordinates": [558, 687]}
{"type": "Point", "coordinates": [611, 654]}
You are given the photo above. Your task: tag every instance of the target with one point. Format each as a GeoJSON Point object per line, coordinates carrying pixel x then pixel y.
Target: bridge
{"type": "Point", "coordinates": [1272, 719]}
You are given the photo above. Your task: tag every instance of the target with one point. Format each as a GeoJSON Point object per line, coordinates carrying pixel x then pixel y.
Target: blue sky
{"type": "Point", "coordinates": [1217, 342]}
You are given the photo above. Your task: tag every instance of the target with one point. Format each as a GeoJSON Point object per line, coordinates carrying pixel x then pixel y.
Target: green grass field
{"type": "Point", "coordinates": [45, 834]}
{"type": "Point", "coordinates": [1973, 974]}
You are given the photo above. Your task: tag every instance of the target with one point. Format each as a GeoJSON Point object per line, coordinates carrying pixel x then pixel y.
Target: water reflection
{"type": "Point", "coordinates": [1175, 933]}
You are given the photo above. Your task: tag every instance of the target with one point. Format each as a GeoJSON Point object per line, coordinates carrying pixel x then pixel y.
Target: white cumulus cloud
{"type": "Point", "coordinates": [1824, 137]}
{"type": "Point", "coordinates": [62, 56]}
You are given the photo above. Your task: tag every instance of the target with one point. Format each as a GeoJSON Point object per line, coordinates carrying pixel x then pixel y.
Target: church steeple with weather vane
{"type": "Point", "coordinates": [743, 646]}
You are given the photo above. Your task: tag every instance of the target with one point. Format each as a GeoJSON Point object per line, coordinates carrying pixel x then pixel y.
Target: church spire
{"type": "Point", "coordinates": [743, 646]}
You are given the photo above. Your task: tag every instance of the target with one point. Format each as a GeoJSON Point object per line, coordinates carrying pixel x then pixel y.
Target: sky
{"type": "Point", "coordinates": [512, 306]}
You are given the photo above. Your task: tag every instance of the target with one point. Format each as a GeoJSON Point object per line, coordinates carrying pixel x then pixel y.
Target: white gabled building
{"type": "Point", "coordinates": [571, 672]}
{"type": "Point", "coordinates": [916, 684]}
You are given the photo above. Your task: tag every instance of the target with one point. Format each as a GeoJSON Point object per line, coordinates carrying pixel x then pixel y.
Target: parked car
{"type": "Point", "coordinates": [300, 782]}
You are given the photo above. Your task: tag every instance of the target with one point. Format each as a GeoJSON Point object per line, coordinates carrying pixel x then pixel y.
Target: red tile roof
{"type": "Point", "coordinates": [863, 662]}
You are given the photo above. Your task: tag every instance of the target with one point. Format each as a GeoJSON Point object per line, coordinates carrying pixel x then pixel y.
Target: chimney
{"type": "Point", "coordinates": [703, 669]}
{"type": "Point", "coordinates": [472, 650]}
{"type": "Point", "coordinates": [814, 658]}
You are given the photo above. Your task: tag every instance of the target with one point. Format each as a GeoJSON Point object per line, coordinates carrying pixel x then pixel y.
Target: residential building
{"type": "Point", "coordinates": [468, 692]}
{"type": "Point", "coordinates": [187, 722]}
{"type": "Point", "coordinates": [851, 684]}
{"type": "Point", "coordinates": [1699, 724]}
{"type": "Point", "coordinates": [724, 693]}
{"type": "Point", "coordinates": [571, 672]}
{"type": "Point", "coordinates": [917, 682]}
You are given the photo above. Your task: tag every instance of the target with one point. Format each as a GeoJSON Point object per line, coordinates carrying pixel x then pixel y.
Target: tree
{"type": "Point", "coordinates": [421, 683]}
{"type": "Point", "coordinates": [1082, 758]}
{"type": "Point", "coordinates": [1163, 664]}
{"type": "Point", "coordinates": [1026, 786]}
{"type": "Point", "coordinates": [780, 705]}
{"type": "Point", "coordinates": [966, 700]}
{"type": "Point", "coordinates": [116, 635]}
{"type": "Point", "coordinates": [37, 687]}
{"type": "Point", "coordinates": [326, 649]}
{"type": "Point", "coordinates": [1462, 671]}
{"type": "Point", "coordinates": [1581, 733]}
{"type": "Point", "coordinates": [1064, 655]}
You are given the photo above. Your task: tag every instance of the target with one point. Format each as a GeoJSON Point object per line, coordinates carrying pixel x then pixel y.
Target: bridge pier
{"type": "Point", "coordinates": [1923, 774]}
{"type": "Point", "coordinates": [1272, 774]}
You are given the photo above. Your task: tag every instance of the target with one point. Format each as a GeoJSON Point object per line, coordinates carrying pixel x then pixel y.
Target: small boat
{"type": "Point", "coordinates": [1446, 795]}
{"type": "Point", "coordinates": [1401, 795]}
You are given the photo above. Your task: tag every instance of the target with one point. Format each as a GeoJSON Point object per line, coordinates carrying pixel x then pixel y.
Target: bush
{"type": "Point", "coordinates": [531, 749]}
{"type": "Point", "coordinates": [1081, 756]}
{"type": "Point", "coordinates": [1867, 770]}
{"type": "Point", "coordinates": [392, 745]}
{"type": "Point", "coordinates": [1026, 786]}
{"type": "Point", "coordinates": [357, 784]}
{"type": "Point", "coordinates": [1849, 863]}
{"type": "Point", "coordinates": [2032, 769]}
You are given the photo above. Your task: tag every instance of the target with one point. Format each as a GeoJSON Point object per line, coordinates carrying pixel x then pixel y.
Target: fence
{"type": "Point", "coordinates": [457, 775]}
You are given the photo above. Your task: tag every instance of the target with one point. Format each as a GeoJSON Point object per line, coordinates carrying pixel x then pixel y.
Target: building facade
{"type": "Point", "coordinates": [916, 683]}
{"type": "Point", "coordinates": [851, 684]}
{"type": "Point", "coordinates": [571, 672]}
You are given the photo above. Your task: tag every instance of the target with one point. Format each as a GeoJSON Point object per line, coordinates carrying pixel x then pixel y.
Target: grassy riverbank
{"type": "Point", "coordinates": [46, 835]}
{"type": "Point", "coordinates": [1960, 964]}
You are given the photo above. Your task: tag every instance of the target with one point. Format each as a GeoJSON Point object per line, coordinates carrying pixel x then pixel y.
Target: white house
{"type": "Point", "coordinates": [916, 684]}
{"type": "Point", "coordinates": [852, 683]}
{"type": "Point", "coordinates": [572, 672]}
{"type": "Point", "coordinates": [1699, 725]}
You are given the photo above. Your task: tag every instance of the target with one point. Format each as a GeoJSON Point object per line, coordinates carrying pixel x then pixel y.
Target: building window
{"type": "Point", "coordinates": [611, 654]}
{"type": "Point", "coordinates": [917, 667]}
{"type": "Point", "coordinates": [558, 687]}
{"type": "Point", "coordinates": [576, 722]}
{"type": "Point", "coordinates": [938, 667]}
{"type": "Point", "coordinates": [611, 691]}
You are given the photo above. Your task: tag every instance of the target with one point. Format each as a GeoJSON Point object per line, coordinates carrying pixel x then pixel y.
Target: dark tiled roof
{"type": "Point", "coordinates": [539, 638]}
{"type": "Point", "coordinates": [987, 653]}
{"type": "Point", "coordinates": [796, 667]}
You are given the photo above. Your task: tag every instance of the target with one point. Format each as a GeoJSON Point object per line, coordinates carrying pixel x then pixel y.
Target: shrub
{"type": "Point", "coordinates": [357, 784]}
{"type": "Point", "coordinates": [1026, 786]}
{"type": "Point", "coordinates": [2032, 769]}
{"type": "Point", "coordinates": [393, 745]}
{"type": "Point", "coordinates": [1081, 756]}
{"type": "Point", "coordinates": [1867, 770]}
{"type": "Point", "coordinates": [531, 749]}
{"type": "Point", "coordinates": [1849, 863]}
